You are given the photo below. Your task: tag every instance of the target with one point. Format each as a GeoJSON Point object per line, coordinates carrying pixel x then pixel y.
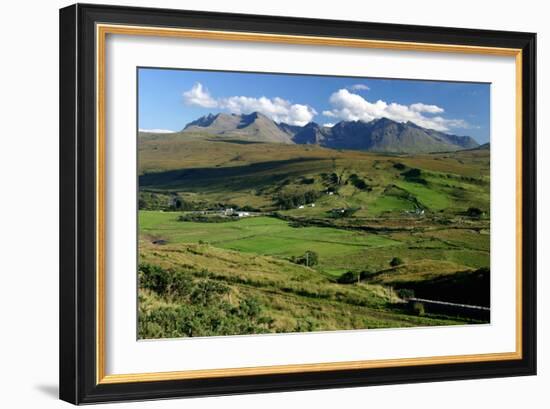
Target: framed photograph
{"type": "Point", "coordinates": [258, 203]}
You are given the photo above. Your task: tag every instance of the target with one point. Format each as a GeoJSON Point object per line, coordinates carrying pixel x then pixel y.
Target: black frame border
{"type": "Point", "coordinates": [78, 210]}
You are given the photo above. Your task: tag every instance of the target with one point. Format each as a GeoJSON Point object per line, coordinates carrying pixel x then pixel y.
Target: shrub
{"type": "Point", "coordinates": [333, 178]}
{"type": "Point", "coordinates": [359, 183]}
{"type": "Point", "coordinates": [396, 261]}
{"type": "Point", "coordinates": [348, 277]}
{"type": "Point", "coordinates": [194, 306]}
{"type": "Point", "coordinates": [474, 212]}
{"type": "Point", "coordinates": [308, 259]}
{"type": "Point", "coordinates": [142, 204]}
{"type": "Point", "coordinates": [206, 291]}
{"type": "Point", "coordinates": [305, 325]}
{"type": "Point", "coordinates": [418, 309]}
{"type": "Point", "coordinates": [153, 277]}
{"type": "Point", "coordinates": [292, 200]}
{"type": "Point", "coordinates": [405, 293]}
{"type": "Point", "coordinates": [164, 201]}
{"type": "Point", "coordinates": [413, 175]}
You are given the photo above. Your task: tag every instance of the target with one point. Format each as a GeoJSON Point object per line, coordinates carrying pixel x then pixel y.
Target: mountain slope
{"type": "Point", "coordinates": [214, 124]}
{"type": "Point", "coordinates": [385, 135]}
{"type": "Point", "coordinates": [379, 135]}
{"type": "Point", "coordinates": [291, 130]}
{"type": "Point", "coordinates": [311, 133]}
{"type": "Point", "coordinates": [253, 127]}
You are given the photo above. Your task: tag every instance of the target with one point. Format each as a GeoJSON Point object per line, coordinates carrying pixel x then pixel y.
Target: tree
{"type": "Point", "coordinates": [308, 259]}
{"type": "Point", "coordinates": [311, 258]}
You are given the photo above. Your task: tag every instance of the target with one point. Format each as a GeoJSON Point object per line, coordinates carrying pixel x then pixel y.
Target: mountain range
{"type": "Point", "coordinates": [378, 135]}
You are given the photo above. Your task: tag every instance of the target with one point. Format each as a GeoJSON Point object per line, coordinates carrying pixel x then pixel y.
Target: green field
{"type": "Point", "coordinates": [310, 217]}
{"type": "Point", "coordinates": [339, 249]}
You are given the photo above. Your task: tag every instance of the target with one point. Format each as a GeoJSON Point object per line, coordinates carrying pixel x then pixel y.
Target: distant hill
{"type": "Point", "coordinates": [254, 127]}
{"type": "Point", "coordinates": [290, 129]}
{"type": "Point", "coordinates": [378, 135]}
{"type": "Point", "coordinates": [385, 135]}
{"type": "Point", "coordinates": [312, 133]}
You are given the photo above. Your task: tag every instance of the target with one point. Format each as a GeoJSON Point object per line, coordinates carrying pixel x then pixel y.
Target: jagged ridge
{"type": "Point", "coordinates": [378, 135]}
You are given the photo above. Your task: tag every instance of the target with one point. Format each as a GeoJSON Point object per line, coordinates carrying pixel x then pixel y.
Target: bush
{"type": "Point", "coordinates": [152, 201]}
{"type": "Point", "coordinates": [292, 200]}
{"type": "Point", "coordinates": [349, 277]}
{"type": "Point", "coordinates": [305, 325]}
{"type": "Point", "coordinates": [308, 259]}
{"type": "Point", "coordinates": [204, 292]}
{"type": "Point", "coordinates": [154, 278]}
{"type": "Point", "coordinates": [396, 261]}
{"type": "Point", "coordinates": [405, 293]}
{"type": "Point", "coordinates": [418, 309]}
{"type": "Point", "coordinates": [474, 212]}
{"type": "Point", "coordinates": [359, 183]}
{"type": "Point", "coordinates": [413, 175]}
{"type": "Point", "coordinates": [194, 306]}
{"type": "Point", "coordinates": [164, 201]}
{"type": "Point", "coordinates": [333, 178]}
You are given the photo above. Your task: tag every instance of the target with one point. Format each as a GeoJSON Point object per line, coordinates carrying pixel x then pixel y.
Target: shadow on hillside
{"type": "Point", "coordinates": [236, 177]}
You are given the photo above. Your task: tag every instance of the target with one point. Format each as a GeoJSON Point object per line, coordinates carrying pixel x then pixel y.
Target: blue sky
{"type": "Point", "coordinates": [169, 99]}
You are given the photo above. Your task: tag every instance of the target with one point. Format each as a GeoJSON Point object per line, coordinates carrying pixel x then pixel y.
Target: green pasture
{"type": "Point", "coordinates": [338, 249]}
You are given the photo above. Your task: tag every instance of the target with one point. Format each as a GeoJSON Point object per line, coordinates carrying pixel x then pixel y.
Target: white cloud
{"type": "Point", "coordinates": [198, 95]}
{"type": "Point", "coordinates": [156, 130]}
{"type": "Point", "coordinates": [359, 87]}
{"type": "Point", "coordinates": [278, 109]}
{"type": "Point", "coordinates": [353, 107]}
{"type": "Point", "coordinates": [430, 109]}
{"type": "Point", "coordinates": [329, 124]}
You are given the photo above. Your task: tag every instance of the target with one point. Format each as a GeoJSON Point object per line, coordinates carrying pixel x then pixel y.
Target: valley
{"type": "Point", "coordinates": [243, 230]}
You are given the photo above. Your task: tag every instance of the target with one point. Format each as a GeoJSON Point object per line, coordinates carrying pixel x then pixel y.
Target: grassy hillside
{"type": "Point", "coordinates": [276, 227]}
{"type": "Point", "coordinates": [284, 297]}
